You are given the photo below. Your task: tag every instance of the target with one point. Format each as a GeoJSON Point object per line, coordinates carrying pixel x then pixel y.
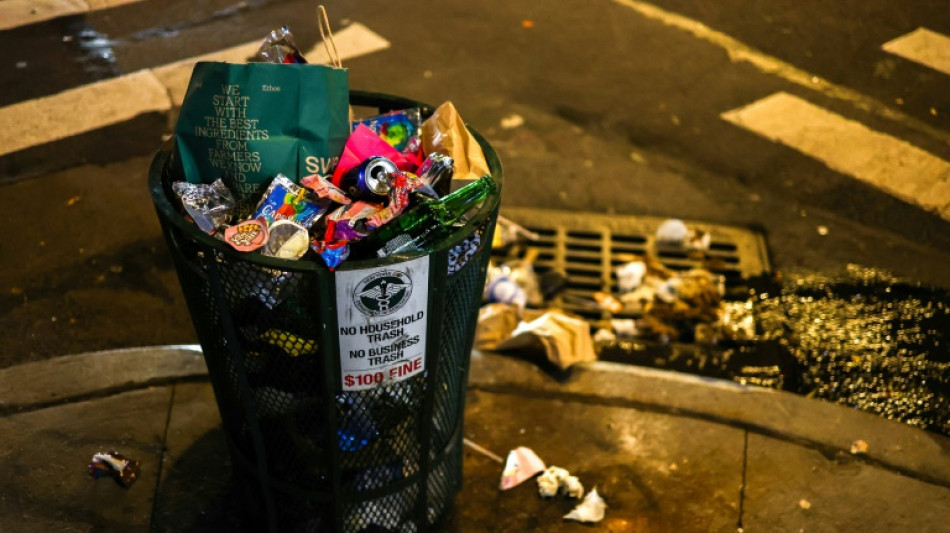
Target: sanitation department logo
{"type": "Point", "coordinates": [382, 293]}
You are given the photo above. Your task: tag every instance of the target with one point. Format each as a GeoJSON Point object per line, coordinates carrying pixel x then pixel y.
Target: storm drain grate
{"type": "Point", "coordinates": [587, 247]}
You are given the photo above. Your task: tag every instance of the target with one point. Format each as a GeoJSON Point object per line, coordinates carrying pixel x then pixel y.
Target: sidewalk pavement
{"type": "Point", "coordinates": [669, 452]}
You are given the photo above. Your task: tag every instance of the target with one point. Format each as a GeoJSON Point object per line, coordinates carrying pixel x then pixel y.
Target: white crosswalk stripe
{"type": "Point", "coordinates": [923, 46]}
{"type": "Point", "coordinates": [850, 147]}
{"type": "Point", "coordinates": [96, 105]}
{"type": "Point", "coordinates": [847, 146]}
{"type": "Point", "coordinates": [15, 13]}
{"type": "Point", "coordinates": [741, 52]}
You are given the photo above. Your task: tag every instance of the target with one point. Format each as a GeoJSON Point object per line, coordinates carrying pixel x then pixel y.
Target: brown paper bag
{"type": "Point", "coordinates": [445, 132]}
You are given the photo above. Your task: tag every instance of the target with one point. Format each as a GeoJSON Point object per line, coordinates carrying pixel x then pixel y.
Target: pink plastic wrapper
{"type": "Point", "coordinates": [522, 464]}
{"type": "Point", "coordinates": [325, 189]}
{"type": "Point", "coordinates": [362, 144]}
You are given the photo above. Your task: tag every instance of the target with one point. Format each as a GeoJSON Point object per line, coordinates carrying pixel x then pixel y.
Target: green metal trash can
{"type": "Point", "coordinates": [343, 411]}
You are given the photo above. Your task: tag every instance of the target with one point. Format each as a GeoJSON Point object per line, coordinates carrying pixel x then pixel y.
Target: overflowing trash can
{"type": "Point", "coordinates": [341, 393]}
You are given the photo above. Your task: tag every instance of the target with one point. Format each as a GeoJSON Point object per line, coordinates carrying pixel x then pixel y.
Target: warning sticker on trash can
{"type": "Point", "coordinates": [381, 313]}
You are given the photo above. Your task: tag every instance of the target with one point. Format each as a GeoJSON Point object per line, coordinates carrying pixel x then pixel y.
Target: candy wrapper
{"type": "Point", "coordinates": [445, 132]}
{"type": "Point", "coordinates": [286, 240]}
{"type": "Point", "coordinates": [398, 128]}
{"type": "Point", "coordinates": [401, 185]}
{"type": "Point", "coordinates": [285, 200]}
{"type": "Point", "coordinates": [210, 206]}
{"type": "Point", "coordinates": [362, 144]}
{"type": "Point", "coordinates": [333, 251]}
{"type": "Point", "coordinates": [323, 188]}
{"type": "Point", "coordinates": [351, 222]}
{"type": "Point", "coordinates": [279, 47]}
{"type": "Point", "coordinates": [124, 470]}
{"type": "Point", "coordinates": [247, 236]}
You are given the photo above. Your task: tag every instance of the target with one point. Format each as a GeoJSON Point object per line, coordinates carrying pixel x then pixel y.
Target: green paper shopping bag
{"type": "Point", "coordinates": [246, 123]}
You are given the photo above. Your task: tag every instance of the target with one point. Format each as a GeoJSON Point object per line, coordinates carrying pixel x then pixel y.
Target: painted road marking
{"type": "Point", "coordinates": [14, 13]}
{"type": "Point", "coordinates": [922, 46]}
{"type": "Point", "coordinates": [847, 146]}
{"type": "Point", "coordinates": [96, 105]}
{"type": "Point", "coordinates": [353, 41]}
{"type": "Point", "coordinates": [739, 51]}
{"type": "Point", "coordinates": [85, 108]}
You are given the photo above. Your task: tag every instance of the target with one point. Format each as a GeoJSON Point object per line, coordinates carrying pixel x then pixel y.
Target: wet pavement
{"type": "Point", "coordinates": [867, 340]}
{"type": "Point", "coordinates": [668, 452]}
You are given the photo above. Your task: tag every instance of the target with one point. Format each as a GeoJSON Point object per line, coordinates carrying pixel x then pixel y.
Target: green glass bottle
{"type": "Point", "coordinates": [423, 225]}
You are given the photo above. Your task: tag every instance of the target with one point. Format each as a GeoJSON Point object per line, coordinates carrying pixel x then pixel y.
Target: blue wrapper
{"type": "Point", "coordinates": [285, 200]}
{"type": "Point", "coordinates": [332, 254]}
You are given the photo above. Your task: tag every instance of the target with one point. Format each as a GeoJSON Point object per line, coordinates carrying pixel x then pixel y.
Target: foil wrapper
{"type": "Point", "coordinates": [124, 470]}
{"type": "Point", "coordinates": [209, 205]}
{"type": "Point", "coordinates": [279, 47]}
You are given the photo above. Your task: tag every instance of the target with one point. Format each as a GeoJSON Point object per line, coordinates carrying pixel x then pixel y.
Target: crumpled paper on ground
{"type": "Point", "coordinates": [522, 464]}
{"type": "Point", "coordinates": [565, 340]}
{"type": "Point", "coordinates": [556, 480]}
{"type": "Point", "coordinates": [592, 509]}
{"type": "Point", "coordinates": [495, 324]}
{"type": "Point", "coordinates": [445, 132]}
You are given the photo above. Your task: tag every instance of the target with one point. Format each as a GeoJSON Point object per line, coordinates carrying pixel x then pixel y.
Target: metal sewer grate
{"type": "Point", "coordinates": [587, 247]}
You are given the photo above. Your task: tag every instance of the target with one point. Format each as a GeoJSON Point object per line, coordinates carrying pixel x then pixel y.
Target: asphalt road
{"type": "Point", "coordinates": [621, 109]}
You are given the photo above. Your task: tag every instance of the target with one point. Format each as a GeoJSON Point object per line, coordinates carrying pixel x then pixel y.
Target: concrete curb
{"type": "Point", "coordinates": [825, 426]}
{"type": "Point", "coordinates": [92, 374]}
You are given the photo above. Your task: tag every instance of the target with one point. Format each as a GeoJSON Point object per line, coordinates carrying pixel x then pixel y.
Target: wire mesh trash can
{"type": "Point", "coordinates": [342, 408]}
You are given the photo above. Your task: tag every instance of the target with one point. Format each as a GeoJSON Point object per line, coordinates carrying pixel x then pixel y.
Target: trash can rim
{"type": "Point", "coordinates": [384, 102]}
